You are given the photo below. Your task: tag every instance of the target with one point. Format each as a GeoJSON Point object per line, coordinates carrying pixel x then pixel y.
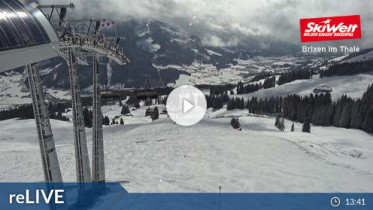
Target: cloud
{"type": "Point", "coordinates": [214, 20]}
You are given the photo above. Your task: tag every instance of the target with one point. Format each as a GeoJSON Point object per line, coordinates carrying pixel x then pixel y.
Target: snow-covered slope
{"type": "Point", "coordinates": [13, 90]}
{"type": "Point", "coordinates": [353, 86]}
{"type": "Point", "coordinates": [164, 157]}
{"type": "Point", "coordinates": [364, 55]}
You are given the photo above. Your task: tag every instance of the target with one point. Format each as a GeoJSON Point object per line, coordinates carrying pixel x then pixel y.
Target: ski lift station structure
{"type": "Point", "coordinates": [27, 37]}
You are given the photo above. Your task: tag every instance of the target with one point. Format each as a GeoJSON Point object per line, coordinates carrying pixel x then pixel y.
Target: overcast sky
{"type": "Point", "coordinates": [227, 22]}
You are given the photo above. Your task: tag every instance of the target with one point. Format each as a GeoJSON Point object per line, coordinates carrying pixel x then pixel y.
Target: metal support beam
{"type": "Point", "coordinates": [83, 171]}
{"type": "Point", "coordinates": [71, 6]}
{"type": "Point", "coordinates": [51, 168]}
{"type": "Point", "coordinates": [98, 162]}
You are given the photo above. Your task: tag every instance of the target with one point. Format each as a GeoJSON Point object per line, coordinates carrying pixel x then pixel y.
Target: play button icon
{"type": "Point", "coordinates": [186, 105]}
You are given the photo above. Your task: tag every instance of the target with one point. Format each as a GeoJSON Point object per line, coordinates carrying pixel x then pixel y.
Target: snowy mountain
{"type": "Point", "coordinates": [167, 55]}
{"type": "Point", "coordinates": [157, 52]}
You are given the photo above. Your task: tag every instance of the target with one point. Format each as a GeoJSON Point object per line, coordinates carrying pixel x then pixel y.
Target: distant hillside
{"type": "Point", "coordinates": [150, 45]}
{"type": "Point", "coordinates": [363, 55]}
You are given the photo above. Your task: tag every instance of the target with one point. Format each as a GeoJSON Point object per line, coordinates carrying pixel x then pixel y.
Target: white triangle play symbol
{"type": "Point", "coordinates": [187, 106]}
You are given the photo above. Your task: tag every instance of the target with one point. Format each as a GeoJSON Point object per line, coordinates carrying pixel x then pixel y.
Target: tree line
{"type": "Point", "coordinates": [269, 82]}
{"type": "Point", "coordinates": [250, 88]}
{"type": "Point", "coordinates": [88, 118]}
{"type": "Point", "coordinates": [261, 76]}
{"type": "Point", "coordinates": [25, 111]}
{"type": "Point", "coordinates": [320, 109]}
{"type": "Point", "coordinates": [316, 109]}
{"type": "Point", "coordinates": [217, 101]}
{"type": "Point", "coordinates": [344, 69]}
{"type": "Point", "coordinates": [294, 75]}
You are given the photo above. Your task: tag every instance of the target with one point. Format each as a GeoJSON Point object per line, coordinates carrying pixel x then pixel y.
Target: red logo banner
{"type": "Point", "coordinates": [330, 28]}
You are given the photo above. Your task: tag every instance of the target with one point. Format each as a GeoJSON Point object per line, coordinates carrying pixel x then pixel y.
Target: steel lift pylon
{"type": "Point", "coordinates": [51, 168]}
{"type": "Point", "coordinates": [94, 43]}
{"type": "Point", "coordinates": [83, 172]}
{"type": "Point", "coordinates": [98, 162]}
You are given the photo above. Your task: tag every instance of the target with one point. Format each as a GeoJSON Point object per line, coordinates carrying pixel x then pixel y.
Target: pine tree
{"type": "Point", "coordinates": [132, 100]}
{"type": "Point", "coordinates": [240, 88]}
{"type": "Point", "coordinates": [59, 115]}
{"type": "Point", "coordinates": [345, 118]}
{"type": "Point", "coordinates": [113, 122]}
{"type": "Point", "coordinates": [148, 102]}
{"type": "Point", "coordinates": [105, 120]}
{"type": "Point", "coordinates": [277, 121]}
{"type": "Point", "coordinates": [368, 122]}
{"type": "Point", "coordinates": [280, 123]}
{"type": "Point", "coordinates": [125, 110]}
{"type": "Point", "coordinates": [292, 128]}
{"type": "Point", "coordinates": [137, 105]}
{"type": "Point", "coordinates": [235, 123]}
{"type": "Point", "coordinates": [147, 112]}
{"type": "Point", "coordinates": [306, 127]}
{"type": "Point", "coordinates": [269, 82]}
{"type": "Point", "coordinates": [155, 115]}
{"type": "Point", "coordinates": [282, 128]}
{"type": "Point", "coordinates": [121, 121]}
{"type": "Point", "coordinates": [88, 117]}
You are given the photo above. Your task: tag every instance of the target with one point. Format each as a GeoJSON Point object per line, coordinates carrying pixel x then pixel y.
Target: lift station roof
{"type": "Point", "coordinates": [26, 36]}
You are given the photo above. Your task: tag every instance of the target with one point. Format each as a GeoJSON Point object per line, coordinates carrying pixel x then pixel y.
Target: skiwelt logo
{"type": "Point", "coordinates": [330, 28]}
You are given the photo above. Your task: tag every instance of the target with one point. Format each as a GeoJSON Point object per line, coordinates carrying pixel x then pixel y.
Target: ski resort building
{"type": "Point", "coordinates": [323, 89]}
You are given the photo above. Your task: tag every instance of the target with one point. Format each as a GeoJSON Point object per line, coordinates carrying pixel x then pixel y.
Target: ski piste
{"type": "Point", "coordinates": [220, 106]}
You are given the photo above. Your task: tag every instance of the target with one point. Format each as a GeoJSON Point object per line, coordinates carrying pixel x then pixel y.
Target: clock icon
{"type": "Point", "coordinates": [335, 201]}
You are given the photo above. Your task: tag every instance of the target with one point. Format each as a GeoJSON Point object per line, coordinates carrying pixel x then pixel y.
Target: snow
{"type": "Point", "coordinates": [148, 45]}
{"type": "Point", "coordinates": [337, 59]}
{"type": "Point", "coordinates": [359, 58]}
{"type": "Point", "coordinates": [352, 86]}
{"type": "Point", "coordinates": [204, 74]}
{"type": "Point", "coordinates": [109, 71]}
{"type": "Point", "coordinates": [181, 41]}
{"type": "Point", "coordinates": [282, 63]}
{"type": "Point", "coordinates": [211, 53]}
{"type": "Point", "coordinates": [13, 91]}
{"type": "Point", "coordinates": [264, 64]}
{"type": "Point", "coordinates": [201, 73]}
{"type": "Point", "coordinates": [138, 115]}
{"type": "Point", "coordinates": [171, 66]}
{"type": "Point", "coordinates": [161, 156]}
{"type": "Point", "coordinates": [195, 51]}
{"type": "Point", "coordinates": [49, 70]}
{"type": "Point", "coordinates": [60, 94]}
